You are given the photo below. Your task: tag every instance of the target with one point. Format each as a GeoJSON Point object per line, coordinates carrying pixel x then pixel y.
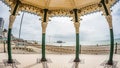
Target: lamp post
{"type": "Point", "coordinates": [21, 25]}
{"type": "Point", "coordinates": [4, 40]}
{"type": "Point", "coordinates": [19, 43]}
{"type": "Point", "coordinates": [116, 49]}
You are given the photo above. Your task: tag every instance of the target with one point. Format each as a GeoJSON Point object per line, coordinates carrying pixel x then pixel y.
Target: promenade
{"type": "Point", "coordinates": [59, 61]}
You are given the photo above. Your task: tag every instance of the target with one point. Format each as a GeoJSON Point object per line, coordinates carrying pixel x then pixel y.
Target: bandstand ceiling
{"type": "Point", "coordinates": [60, 6]}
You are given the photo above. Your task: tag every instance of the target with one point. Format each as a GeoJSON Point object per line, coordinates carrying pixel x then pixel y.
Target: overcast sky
{"type": "Point", "coordinates": [93, 27]}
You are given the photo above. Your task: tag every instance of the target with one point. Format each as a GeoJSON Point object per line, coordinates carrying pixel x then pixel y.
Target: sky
{"type": "Point", "coordinates": [93, 27]}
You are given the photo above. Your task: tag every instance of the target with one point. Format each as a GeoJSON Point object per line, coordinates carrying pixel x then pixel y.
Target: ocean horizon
{"type": "Point", "coordinates": [85, 43]}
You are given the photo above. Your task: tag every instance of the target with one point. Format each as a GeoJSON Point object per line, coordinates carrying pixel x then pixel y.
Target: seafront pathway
{"type": "Point", "coordinates": [59, 61]}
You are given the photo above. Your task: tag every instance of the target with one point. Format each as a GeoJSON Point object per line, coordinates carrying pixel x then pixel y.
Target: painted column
{"type": "Point", "coordinates": [116, 48]}
{"type": "Point", "coordinates": [109, 19]}
{"type": "Point", "coordinates": [77, 25]}
{"type": "Point", "coordinates": [44, 25]}
{"type": "Point", "coordinates": [11, 21]}
{"type": "Point", "coordinates": [107, 12]}
{"type": "Point", "coordinates": [12, 18]}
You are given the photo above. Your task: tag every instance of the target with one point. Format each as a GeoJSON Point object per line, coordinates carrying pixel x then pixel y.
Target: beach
{"type": "Point", "coordinates": [53, 49]}
{"type": "Point", "coordinates": [28, 56]}
{"type": "Point", "coordinates": [59, 61]}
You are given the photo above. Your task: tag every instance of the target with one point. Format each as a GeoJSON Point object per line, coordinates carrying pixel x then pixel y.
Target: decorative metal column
{"type": "Point", "coordinates": [109, 20]}
{"type": "Point", "coordinates": [11, 21]}
{"type": "Point", "coordinates": [77, 25]}
{"type": "Point", "coordinates": [116, 48]}
{"type": "Point", "coordinates": [44, 25]}
{"type": "Point", "coordinates": [12, 18]}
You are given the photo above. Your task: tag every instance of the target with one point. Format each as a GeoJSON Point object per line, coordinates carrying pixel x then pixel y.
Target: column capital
{"type": "Point", "coordinates": [44, 26]}
{"type": "Point", "coordinates": [107, 12]}
{"type": "Point", "coordinates": [104, 7]}
{"type": "Point", "coordinates": [14, 8]}
{"type": "Point", "coordinates": [45, 15]}
{"type": "Point", "coordinates": [77, 25]}
{"type": "Point", "coordinates": [75, 10]}
{"type": "Point", "coordinates": [109, 20]}
{"type": "Point", "coordinates": [75, 15]}
{"type": "Point", "coordinates": [11, 20]}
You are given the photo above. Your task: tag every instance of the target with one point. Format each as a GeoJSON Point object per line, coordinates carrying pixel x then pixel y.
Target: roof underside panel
{"type": "Point", "coordinates": [60, 4]}
{"type": "Point", "coordinates": [81, 3]}
{"type": "Point", "coordinates": [55, 4]}
{"type": "Point", "coordinates": [37, 3]}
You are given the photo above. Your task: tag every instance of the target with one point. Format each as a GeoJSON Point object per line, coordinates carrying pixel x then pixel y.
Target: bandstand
{"type": "Point", "coordinates": [69, 8]}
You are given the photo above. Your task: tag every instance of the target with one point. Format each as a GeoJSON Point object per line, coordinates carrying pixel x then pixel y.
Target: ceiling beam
{"type": "Point", "coordinates": [73, 3]}
{"type": "Point", "coordinates": [47, 2]}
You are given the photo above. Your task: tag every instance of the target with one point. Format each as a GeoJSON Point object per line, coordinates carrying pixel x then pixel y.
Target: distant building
{"type": "Point", "coordinates": [1, 27]}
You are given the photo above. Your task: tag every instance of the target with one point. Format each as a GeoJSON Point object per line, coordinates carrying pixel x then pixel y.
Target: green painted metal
{"type": "Point", "coordinates": [77, 48]}
{"type": "Point", "coordinates": [43, 48]}
{"type": "Point", "coordinates": [105, 7]}
{"type": "Point", "coordinates": [75, 13]}
{"type": "Point", "coordinates": [110, 61]}
{"type": "Point", "coordinates": [45, 14]}
{"type": "Point", "coordinates": [4, 46]}
{"type": "Point", "coordinates": [80, 49]}
{"type": "Point", "coordinates": [16, 6]}
{"type": "Point", "coordinates": [9, 35]}
{"type": "Point", "coordinates": [9, 46]}
{"type": "Point", "coordinates": [43, 37]}
{"type": "Point", "coordinates": [116, 49]}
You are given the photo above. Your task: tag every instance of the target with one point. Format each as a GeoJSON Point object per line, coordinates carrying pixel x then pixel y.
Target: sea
{"type": "Point", "coordinates": [85, 43]}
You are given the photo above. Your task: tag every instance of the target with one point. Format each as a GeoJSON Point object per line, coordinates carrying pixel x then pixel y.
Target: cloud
{"type": "Point", "coordinates": [4, 13]}
{"type": "Point", "coordinates": [60, 25]}
{"type": "Point", "coordinates": [31, 27]}
{"type": "Point", "coordinates": [94, 27]}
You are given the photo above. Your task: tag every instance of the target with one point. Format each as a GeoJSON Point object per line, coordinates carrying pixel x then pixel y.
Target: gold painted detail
{"type": "Point", "coordinates": [11, 4]}
{"type": "Point", "coordinates": [53, 13]}
{"type": "Point", "coordinates": [11, 20]}
{"type": "Point", "coordinates": [108, 6]}
{"type": "Point", "coordinates": [44, 26]}
{"type": "Point", "coordinates": [108, 17]}
{"type": "Point", "coordinates": [89, 9]}
{"type": "Point", "coordinates": [57, 11]}
{"type": "Point", "coordinates": [31, 9]}
{"type": "Point", "coordinates": [109, 20]}
{"type": "Point", "coordinates": [77, 25]}
{"type": "Point", "coordinates": [47, 17]}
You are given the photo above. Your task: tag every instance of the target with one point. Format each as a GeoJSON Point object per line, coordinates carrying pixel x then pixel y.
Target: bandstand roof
{"type": "Point", "coordinates": [60, 7]}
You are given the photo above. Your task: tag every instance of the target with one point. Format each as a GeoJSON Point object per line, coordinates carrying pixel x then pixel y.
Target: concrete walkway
{"type": "Point", "coordinates": [59, 61]}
